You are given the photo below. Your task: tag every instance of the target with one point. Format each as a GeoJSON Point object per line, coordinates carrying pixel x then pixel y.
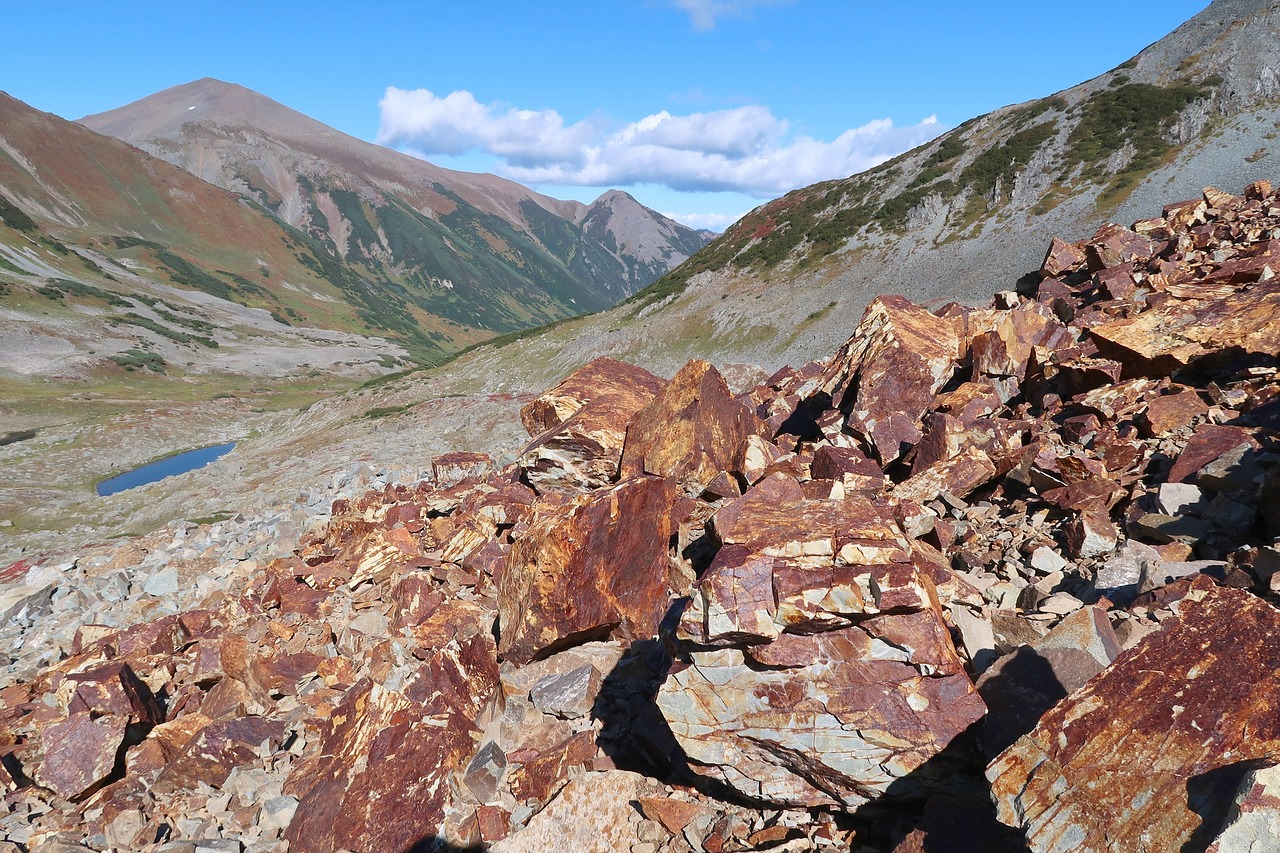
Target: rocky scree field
{"type": "Point", "coordinates": [995, 578]}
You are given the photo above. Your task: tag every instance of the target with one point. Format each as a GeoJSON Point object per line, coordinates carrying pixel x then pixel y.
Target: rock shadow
{"type": "Point", "coordinates": [1211, 795]}
{"type": "Point", "coordinates": [436, 844]}
{"type": "Point", "coordinates": [943, 806]}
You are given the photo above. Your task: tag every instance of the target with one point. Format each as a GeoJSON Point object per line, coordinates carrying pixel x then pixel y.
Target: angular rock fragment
{"type": "Point", "coordinates": [1137, 758]}
{"type": "Point", "coordinates": [1253, 823]}
{"type": "Point", "coordinates": [378, 780]}
{"type": "Point", "coordinates": [580, 426]}
{"type": "Point", "coordinates": [692, 431]}
{"type": "Point", "coordinates": [80, 754]}
{"type": "Point", "coordinates": [593, 567]}
{"type": "Point", "coordinates": [886, 376]}
{"type": "Point", "coordinates": [837, 677]}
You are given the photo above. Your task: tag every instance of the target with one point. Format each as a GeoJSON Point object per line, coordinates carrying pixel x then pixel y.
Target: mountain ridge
{"type": "Point", "coordinates": [400, 219]}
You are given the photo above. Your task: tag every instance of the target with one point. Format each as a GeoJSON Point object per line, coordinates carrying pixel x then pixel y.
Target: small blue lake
{"type": "Point", "coordinates": [179, 463]}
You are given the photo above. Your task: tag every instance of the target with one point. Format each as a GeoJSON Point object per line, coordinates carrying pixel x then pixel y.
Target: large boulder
{"type": "Point", "coordinates": [579, 427]}
{"type": "Point", "coordinates": [1147, 756]}
{"type": "Point", "coordinates": [593, 567]}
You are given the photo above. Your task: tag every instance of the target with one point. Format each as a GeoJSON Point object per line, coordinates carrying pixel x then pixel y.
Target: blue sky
{"type": "Point", "coordinates": [702, 109]}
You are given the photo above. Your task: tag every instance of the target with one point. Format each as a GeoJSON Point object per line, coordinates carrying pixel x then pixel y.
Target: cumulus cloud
{"type": "Point", "coordinates": [746, 149]}
{"type": "Point", "coordinates": [704, 13]}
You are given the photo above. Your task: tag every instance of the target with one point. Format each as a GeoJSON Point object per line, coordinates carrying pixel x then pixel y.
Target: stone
{"type": "Point", "coordinates": [1234, 470]}
{"type": "Point", "coordinates": [1120, 575]}
{"type": "Point", "coordinates": [691, 431]}
{"type": "Point", "coordinates": [1136, 758]}
{"type": "Point", "coordinates": [1173, 335]}
{"type": "Point", "coordinates": [485, 772]}
{"type": "Point", "coordinates": [1181, 499]}
{"type": "Point", "coordinates": [1253, 823]}
{"type": "Point", "coordinates": [1208, 443]}
{"type": "Point", "coordinates": [569, 695]}
{"type": "Point", "coordinates": [590, 815]}
{"type": "Point", "coordinates": [958, 476]}
{"type": "Point", "coordinates": [1172, 412]}
{"type": "Point", "coordinates": [835, 662]}
{"type": "Point", "coordinates": [1091, 534]}
{"type": "Point", "coordinates": [593, 568]}
{"type": "Point", "coordinates": [162, 583]}
{"type": "Point", "coordinates": [886, 376]}
{"type": "Point", "coordinates": [277, 813]}
{"type": "Point", "coordinates": [580, 426]}
{"type": "Point", "coordinates": [977, 637]}
{"type": "Point", "coordinates": [1062, 257]}
{"type": "Point", "coordinates": [80, 754]}
{"type": "Point", "coordinates": [452, 468]}
{"type": "Point", "coordinates": [378, 778]}
{"type": "Point", "coordinates": [1046, 561]}
{"type": "Point", "coordinates": [211, 754]}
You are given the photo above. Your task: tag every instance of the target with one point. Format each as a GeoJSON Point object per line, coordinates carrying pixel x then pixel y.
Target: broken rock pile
{"type": "Point", "coordinates": [997, 578]}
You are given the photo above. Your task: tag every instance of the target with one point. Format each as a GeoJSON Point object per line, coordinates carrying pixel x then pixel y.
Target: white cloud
{"type": "Point", "coordinates": [746, 149]}
{"type": "Point", "coordinates": [704, 13]}
{"type": "Point", "coordinates": [713, 221]}
{"type": "Point", "coordinates": [458, 123]}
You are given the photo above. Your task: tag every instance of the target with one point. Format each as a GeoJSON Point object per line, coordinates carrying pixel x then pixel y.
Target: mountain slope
{"type": "Point", "coordinates": [477, 249]}
{"type": "Point", "coordinates": [944, 221]}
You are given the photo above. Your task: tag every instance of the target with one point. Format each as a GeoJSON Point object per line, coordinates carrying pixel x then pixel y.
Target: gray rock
{"type": "Point", "coordinates": [1118, 577]}
{"type": "Point", "coordinates": [1253, 824]}
{"type": "Point", "coordinates": [1182, 499]}
{"type": "Point", "coordinates": [1156, 575]}
{"type": "Point", "coordinates": [277, 813]}
{"type": "Point", "coordinates": [162, 583]}
{"type": "Point", "coordinates": [485, 771]}
{"type": "Point", "coordinates": [1231, 515]}
{"type": "Point", "coordinates": [1238, 468]}
{"type": "Point", "coordinates": [569, 695]}
{"type": "Point", "coordinates": [1047, 561]}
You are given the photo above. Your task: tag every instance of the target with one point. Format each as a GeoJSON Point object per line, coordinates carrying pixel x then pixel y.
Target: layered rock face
{"type": "Point", "coordinates": [989, 579]}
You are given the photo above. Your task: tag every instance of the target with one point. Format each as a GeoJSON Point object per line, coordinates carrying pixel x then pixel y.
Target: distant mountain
{"type": "Point", "coordinates": [102, 243]}
{"type": "Point", "coordinates": [975, 206]}
{"type": "Point", "coordinates": [478, 250]}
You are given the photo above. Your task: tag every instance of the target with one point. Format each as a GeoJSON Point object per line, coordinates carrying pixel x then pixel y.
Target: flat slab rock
{"type": "Point", "coordinates": [1148, 755]}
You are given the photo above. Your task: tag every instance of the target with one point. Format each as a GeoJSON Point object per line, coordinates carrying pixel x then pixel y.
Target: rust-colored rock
{"type": "Point", "coordinates": [836, 675]}
{"type": "Point", "coordinates": [886, 376]}
{"type": "Point", "coordinates": [378, 780]}
{"type": "Point", "coordinates": [1173, 334]}
{"type": "Point", "coordinates": [593, 567]}
{"type": "Point", "coordinates": [80, 753]}
{"type": "Point", "coordinates": [692, 431]}
{"type": "Point", "coordinates": [1135, 758]}
{"type": "Point", "coordinates": [579, 427]}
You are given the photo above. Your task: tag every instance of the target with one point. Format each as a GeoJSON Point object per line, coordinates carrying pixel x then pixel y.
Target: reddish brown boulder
{"type": "Point", "coordinates": [378, 780]}
{"type": "Point", "coordinates": [80, 753]}
{"type": "Point", "coordinates": [1208, 443]}
{"type": "Point", "coordinates": [211, 754]}
{"type": "Point", "coordinates": [835, 675]}
{"type": "Point", "coordinates": [886, 376]}
{"type": "Point", "coordinates": [1136, 758]}
{"type": "Point", "coordinates": [692, 431]}
{"type": "Point", "coordinates": [604, 383]}
{"type": "Point", "coordinates": [1174, 334]}
{"type": "Point", "coordinates": [1062, 257]}
{"type": "Point", "coordinates": [1113, 245]}
{"type": "Point", "coordinates": [593, 567]}
{"type": "Point", "coordinates": [582, 424]}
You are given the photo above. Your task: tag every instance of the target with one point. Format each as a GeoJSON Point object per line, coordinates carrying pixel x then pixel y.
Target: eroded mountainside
{"type": "Point", "coordinates": [479, 250]}
{"type": "Point", "coordinates": [997, 578]}
{"type": "Point", "coordinates": [1200, 106]}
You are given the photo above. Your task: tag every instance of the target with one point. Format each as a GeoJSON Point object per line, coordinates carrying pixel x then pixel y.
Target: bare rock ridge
{"type": "Point", "coordinates": [996, 579]}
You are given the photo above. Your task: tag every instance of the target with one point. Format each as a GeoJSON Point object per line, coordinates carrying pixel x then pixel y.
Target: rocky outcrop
{"type": "Point", "coordinates": [983, 569]}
